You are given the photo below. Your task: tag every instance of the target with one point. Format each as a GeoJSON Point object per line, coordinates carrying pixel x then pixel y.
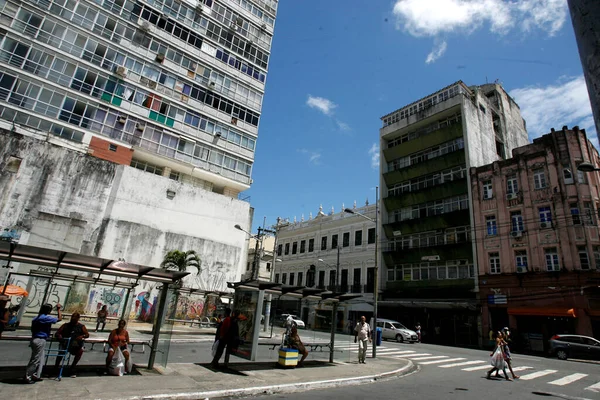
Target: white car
{"type": "Point", "coordinates": [394, 330]}
{"type": "Point", "coordinates": [299, 323]}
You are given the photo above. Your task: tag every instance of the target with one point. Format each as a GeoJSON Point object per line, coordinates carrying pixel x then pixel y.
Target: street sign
{"type": "Point", "coordinates": [430, 258]}
{"type": "Point", "coordinates": [497, 299]}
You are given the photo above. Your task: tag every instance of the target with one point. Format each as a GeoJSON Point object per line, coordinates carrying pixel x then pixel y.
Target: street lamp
{"type": "Point", "coordinates": [587, 167]}
{"type": "Point", "coordinates": [376, 269]}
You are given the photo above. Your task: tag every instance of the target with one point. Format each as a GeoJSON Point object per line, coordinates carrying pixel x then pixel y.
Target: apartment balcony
{"type": "Point", "coordinates": [431, 289]}
{"type": "Point", "coordinates": [435, 222]}
{"type": "Point", "coordinates": [429, 140]}
{"type": "Point", "coordinates": [449, 251]}
{"type": "Point", "coordinates": [428, 167]}
{"type": "Point", "coordinates": [449, 189]}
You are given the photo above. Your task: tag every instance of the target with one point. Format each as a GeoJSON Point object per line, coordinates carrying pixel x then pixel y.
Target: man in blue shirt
{"type": "Point", "coordinates": [40, 331]}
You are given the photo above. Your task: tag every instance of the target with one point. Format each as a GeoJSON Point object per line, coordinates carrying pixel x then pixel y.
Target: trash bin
{"type": "Point", "coordinates": [378, 337]}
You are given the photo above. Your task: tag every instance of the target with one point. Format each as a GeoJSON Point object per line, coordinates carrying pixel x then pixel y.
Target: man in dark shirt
{"type": "Point", "coordinates": [40, 331]}
{"type": "Point", "coordinates": [77, 332]}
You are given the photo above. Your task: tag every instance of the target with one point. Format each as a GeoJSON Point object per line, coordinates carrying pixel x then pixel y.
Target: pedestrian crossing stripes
{"type": "Point", "coordinates": [538, 374]}
{"type": "Point", "coordinates": [442, 361]}
{"type": "Point", "coordinates": [413, 355]}
{"type": "Point", "coordinates": [461, 364]}
{"type": "Point", "coordinates": [594, 388]}
{"type": "Point", "coordinates": [567, 379]}
{"type": "Point", "coordinates": [426, 358]}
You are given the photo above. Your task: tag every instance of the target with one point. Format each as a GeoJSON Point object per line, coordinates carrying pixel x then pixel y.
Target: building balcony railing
{"type": "Point", "coordinates": [368, 288]}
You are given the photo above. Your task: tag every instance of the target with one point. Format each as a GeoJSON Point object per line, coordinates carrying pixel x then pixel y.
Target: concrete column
{"type": "Point", "coordinates": [585, 15]}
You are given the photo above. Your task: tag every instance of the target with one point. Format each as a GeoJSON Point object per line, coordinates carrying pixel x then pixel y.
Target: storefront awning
{"type": "Point", "coordinates": [432, 304]}
{"type": "Point", "coordinates": [543, 312]}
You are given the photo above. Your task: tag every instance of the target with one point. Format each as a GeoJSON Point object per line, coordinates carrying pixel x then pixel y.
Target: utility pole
{"type": "Point", "coordinates": [255, 262]}
{"type": "Point", "coordinates": [376, 273]}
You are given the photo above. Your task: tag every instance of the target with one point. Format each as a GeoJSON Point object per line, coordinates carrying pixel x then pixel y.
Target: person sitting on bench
{"type": "Point", "coordinates": [77, 332]}
{"type": "Point", "coordinates": [295, 343]}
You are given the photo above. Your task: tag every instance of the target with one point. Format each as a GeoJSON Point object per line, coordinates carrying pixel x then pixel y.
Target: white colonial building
{"type": "Point", "coordinates": [307, 255]}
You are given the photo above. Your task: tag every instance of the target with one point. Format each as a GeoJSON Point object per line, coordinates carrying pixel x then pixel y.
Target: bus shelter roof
{"type": "Point", "coordinates": [63, 260]}
{"type": "Point", "coordinates": [304, 292]}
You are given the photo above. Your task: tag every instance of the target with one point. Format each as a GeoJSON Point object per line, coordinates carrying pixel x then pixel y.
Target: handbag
{"type": "Point", "coordinates": [497, 359]}
{"type": "Point", "coordinates": [117, 365]}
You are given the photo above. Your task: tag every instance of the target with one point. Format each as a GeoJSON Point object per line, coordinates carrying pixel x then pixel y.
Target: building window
{"type": "Point", "coordinates": [302, 246]}
{"type": "Point", "coordinates": [284, 279]}
{"type": "Point", "coordinates": [581, 177]}
{"type": "Point", "coordinates": [112, 147]}
{"type": "Point", "coordinates": [552, 263]}
{"type": "Point", "coordinates": [287, 249]}
{"type": "Point", "coordinates": [291, 278]}
{"type": "Point", "coordinates": [494, 263]}
{"type": "Point", "coordinates": [334, 241]}
{"type": "Point", "coordinates": [295, 248]}
{"type": "Point", "coordinates": [512, 186]}
{"type": "Point", "coordinates": [371, 236]}
{"type": "Point", "coordinates": [487, 190]}
{"type": "Point", "coordinates": [321, 279]}
{"type": "Point", "coordinates": [588, 213]}
{"type": "Point", "coordinates": [276, 278]}
{"type": "Point", "coordinates": [269, 267]}
{"type": "Point", "coordinates": [539, 179]}
{"type": "Point", "coordinates": [545, 217]}
{"type": "Point", "coordinates": [584, 259]}
{"type": "Point", "coordinates": [300, 279]}
{"type": "Point", "coordinates": [247, 266]}
{"type": "Point", "coordinates": [311, 245]}
{"type": "Point", "coordinates": [346, 239]}
{"type": "Point", "coordinates": [521, 260]}
{"type": "Point", "coordinates": [568, 175]}
{"type": "Point", "coordinates": [492, 227]}
{"type": "Point", "coordinates": [358, 238]}
{"type": "Point", "coordinates": [324, 243]}
{"type": "Point", "coordinates": [575, 214]}
{"type": "Point", "coordinates": [597, 257]}
{"type": "Point", "coordinates": [516, 220]}
{"type": "Point", "coordinates": [279, 249]}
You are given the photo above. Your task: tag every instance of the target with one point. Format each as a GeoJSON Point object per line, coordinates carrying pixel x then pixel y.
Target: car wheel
{"type": "Point", "coordinates": [399, 338]}
{"type": "Point", "coordinates": [561, 354]}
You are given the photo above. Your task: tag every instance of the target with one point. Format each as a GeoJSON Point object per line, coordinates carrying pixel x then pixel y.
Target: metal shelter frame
{"type": "Point", "coordinates": [301, 292]}
{"type": "Point", "coordinates": [62, 260]}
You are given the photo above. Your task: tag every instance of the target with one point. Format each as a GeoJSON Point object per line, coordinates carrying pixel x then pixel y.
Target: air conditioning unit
{"type": "Point", "coordinates": [145, 26]}
{"type": "Point", "coordinates": [185, 98]}
{"type": "Point", "coordinates": [121, 71]}
{"type": "Point", "coordinates": [545, 225]}
{"type": "Point", "coordinates": [152, 84]}
{"type": "Point", "coordinates": [218, 134]}
{"type": "Point", "coordinates": [516, 233]}
{"type": "Point", "coordinates": [160, 57]}
{"type": "Point", "coordinates": [212, 84]}
{"type": "Point", "coordinates": [263, 26]}
{"type": "Point", "coordinates": [233, 26]}
{"type": "Point", "coordinates": [521, 269]}
{"type": "Point", "coordinates": [511, 196]}
{"type": "Point", "coordinates": [139, 127]}
{"type": "Point", "coordinates": [199, 9]}
{"type": "Point", "coordinates": [122, 120]}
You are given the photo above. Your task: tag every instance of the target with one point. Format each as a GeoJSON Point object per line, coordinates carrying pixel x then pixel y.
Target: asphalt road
{"type": "Point", "coordinates": [455, 373]}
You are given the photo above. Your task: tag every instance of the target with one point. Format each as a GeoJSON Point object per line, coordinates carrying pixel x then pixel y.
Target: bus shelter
{"type": "Point", "coordinates": [66, 269]}
{"type": "Point", "coordinates": [249, 299]}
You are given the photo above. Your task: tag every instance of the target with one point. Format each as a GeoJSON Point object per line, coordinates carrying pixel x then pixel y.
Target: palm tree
{"type": "Point", "coordinates": [181, 260]}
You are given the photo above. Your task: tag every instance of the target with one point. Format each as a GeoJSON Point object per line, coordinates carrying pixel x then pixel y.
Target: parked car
{"type": "Point", "coordinates": [299, 323]}
{"type": "Point", "coordinates": [394, 330]}
{"type": "Point", "coordinates": [574, 346]}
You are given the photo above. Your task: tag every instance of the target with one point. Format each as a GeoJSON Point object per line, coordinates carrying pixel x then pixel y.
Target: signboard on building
{"type": "Point", "coordinates": [497, 299]}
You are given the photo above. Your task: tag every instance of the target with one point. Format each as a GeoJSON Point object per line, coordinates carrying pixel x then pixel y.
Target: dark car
{"type": "Point", "coordinates": [574, 346]}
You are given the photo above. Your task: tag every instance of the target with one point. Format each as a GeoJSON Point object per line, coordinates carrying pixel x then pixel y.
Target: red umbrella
{"type": "Point", "coordinates": [13, 290]}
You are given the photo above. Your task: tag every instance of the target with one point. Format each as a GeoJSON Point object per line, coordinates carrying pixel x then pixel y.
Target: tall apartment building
{"type": "Point", "coordinates": [428, 146]}
{"type": "Point", "coordinates": [170, 87]}
{"type": "Point", "coordinates": [538, 244]}
{"type": "Point", "coordinates": [307, 255]}
{"type": "Point", "coordinates": [174, 88]}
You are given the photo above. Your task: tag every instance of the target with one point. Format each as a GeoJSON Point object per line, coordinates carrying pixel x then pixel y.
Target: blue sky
{"type": "Point", "coordinates": [337, 66]}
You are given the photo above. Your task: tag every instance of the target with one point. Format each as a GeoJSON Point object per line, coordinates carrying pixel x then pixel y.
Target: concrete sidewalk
{"type": "Point", "coordinates": [201, 381]}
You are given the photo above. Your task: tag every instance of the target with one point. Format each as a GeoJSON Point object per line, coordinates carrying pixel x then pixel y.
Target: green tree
{"type": "Point", "coordinates": [181, 260]}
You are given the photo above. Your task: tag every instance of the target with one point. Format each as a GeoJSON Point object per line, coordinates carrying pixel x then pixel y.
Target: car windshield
{"type": "Point", "coordinates": [398, 325]}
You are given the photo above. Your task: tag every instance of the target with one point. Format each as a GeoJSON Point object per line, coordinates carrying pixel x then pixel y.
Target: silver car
{"type": "Point", "coordinates": [394, 330]}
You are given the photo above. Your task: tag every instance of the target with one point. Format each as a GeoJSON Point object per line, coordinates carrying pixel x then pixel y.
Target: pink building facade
{"type": "Point", "coordinates": [536, 224]}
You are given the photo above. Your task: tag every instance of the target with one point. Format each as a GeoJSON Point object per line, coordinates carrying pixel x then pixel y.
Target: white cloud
{"type": "Point", "coordinates": [314, 156]}
{"type": "Point", "coordinates": [553, 106]}
{"type": "Point", "coordinates": [437, 52]}
{"type": "Point", "coordinates": [342, 125]}
{"type": "Point", "coordinates": [374, 154]}
{"type": "Point", "coordinates": [322, 104]}
{"type": "Point", "coordinates": [433, 18]}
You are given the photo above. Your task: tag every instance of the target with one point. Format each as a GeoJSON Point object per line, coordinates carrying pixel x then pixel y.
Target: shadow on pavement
{"type": "Point", "coordinates": [240, 368]}
{"type": "Point", "coordinates": [16, 375]}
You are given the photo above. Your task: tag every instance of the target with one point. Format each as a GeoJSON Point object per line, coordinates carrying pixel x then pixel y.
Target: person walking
{"type": "Point", "coordinates": [101, 318]}
{"type": "Point", "coordinates": [498, 358]}
{"type": "Point", "coordinates": [362, 334]}
{"type": "Point", "coordinates": [227, 333]}
{"type": "Point", "coordinates": [40, 332]}
{"type": "Point", "coordinates": [418, 330]}
{"type": "Point", "coordinates": [507, 357]}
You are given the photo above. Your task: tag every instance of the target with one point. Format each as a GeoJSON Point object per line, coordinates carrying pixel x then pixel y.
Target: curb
{"type": "Point", "coordinates": [281, 389]}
